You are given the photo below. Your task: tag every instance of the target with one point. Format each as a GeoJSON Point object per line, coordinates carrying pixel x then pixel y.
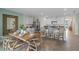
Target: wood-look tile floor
{"type": "Point", "coordinates": [71, 43]}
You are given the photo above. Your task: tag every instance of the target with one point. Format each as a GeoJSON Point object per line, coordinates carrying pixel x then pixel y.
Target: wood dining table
{"type": "Point", "coordinates": [25, 38]}
{"type": "Point", "coordinates": [18, 37]}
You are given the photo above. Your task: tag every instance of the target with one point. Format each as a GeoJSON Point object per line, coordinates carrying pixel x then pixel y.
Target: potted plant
{"type": "Point", "coordinates": [22, 27]}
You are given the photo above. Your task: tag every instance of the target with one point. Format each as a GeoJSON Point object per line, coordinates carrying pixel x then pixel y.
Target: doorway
{"type": "Point", "coordinates": [68, 27]}
{"type": "Point", "coordinates": [10, 24]}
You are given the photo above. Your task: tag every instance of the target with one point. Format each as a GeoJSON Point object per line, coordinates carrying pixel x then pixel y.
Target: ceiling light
{"type": "Point", "coordinates": [65, 9]}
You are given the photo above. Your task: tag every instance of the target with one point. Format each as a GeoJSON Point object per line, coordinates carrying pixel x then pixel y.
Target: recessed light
{"type": "Point", "coordinates": [65, 9]}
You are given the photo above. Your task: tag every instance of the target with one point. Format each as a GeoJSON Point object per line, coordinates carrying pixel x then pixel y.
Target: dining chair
{"type": "Point", "coordinates": [5, 43]}
{"type": "Point", "coordinates": [1, 39]}
{"type": "Point", "coordinates": [38, 42]}
{"type": "Point", "coordinates": [61, 33]}
{"type": "Point", "coordinates": [11, 45]}
{"type": "Point", "coordinates": [1, 43]}
{"type": "Point", "coordinates": [31, 46]}
{"type": "Point", "coordinates": [14, 44]}
{"type": "Point", "coordinates": [34, 43]}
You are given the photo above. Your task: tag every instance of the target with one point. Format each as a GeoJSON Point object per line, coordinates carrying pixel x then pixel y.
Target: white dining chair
{"type": "Point", "coordinates": [61, 34]}
{"type": "Point", "coordinates": [56, 34]}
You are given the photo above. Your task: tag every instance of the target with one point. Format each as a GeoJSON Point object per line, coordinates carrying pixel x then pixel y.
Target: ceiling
{"type": "Point", "coordinates": [45, 11]}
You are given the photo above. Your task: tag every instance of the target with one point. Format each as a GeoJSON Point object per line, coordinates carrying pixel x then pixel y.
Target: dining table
{"type": "Point", "coordinates": [19, 37]}
{"type": "Point", "coordinates": [25, 38]}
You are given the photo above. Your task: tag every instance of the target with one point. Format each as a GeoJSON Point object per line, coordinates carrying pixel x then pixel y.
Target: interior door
{"type": "Point", "coordinates": [10, 24]}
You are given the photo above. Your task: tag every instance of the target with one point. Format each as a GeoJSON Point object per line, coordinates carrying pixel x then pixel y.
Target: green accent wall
{"type": "Point", "coordinates": [8, 12]}
{"type": "Point", "coordinates": [77, 22]}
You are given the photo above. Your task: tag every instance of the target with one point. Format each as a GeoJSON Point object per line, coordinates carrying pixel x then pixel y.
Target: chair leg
{"type": "Point", "coordinates": [11, 48]}
{"type": "Point", "coordinates": [5, 45]}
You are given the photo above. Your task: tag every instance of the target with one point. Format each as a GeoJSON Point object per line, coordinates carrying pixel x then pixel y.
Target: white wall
{"type": "Point", "coordinates": [27, 20]}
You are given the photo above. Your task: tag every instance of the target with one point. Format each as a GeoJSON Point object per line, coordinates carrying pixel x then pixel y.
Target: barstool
{"type": "Point", "coordinates": [56, 34]}
{"type": "Point", "coordinates": [61, 34]}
